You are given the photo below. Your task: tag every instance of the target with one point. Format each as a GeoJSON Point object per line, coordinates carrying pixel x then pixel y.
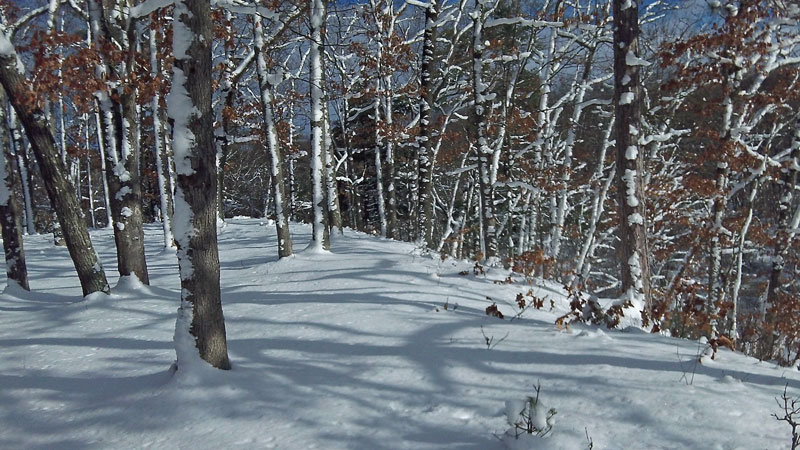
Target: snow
{"type": "Point", "coordinates": [7, 50]}
{"type": "Point", "coordinates": [632, 60]}
{"type": "Point", "coordinates": [148, 6]}
{"type": "Point", "coordinates": [626, 98]}
{"type": "Point", "coordinates": [352, 349]}
{"type": "Point", "coordinates": [6, 47]}
{"type": "Point", "coordinates": [181, 109]}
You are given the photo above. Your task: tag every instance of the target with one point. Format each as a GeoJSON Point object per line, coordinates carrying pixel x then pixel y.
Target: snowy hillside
{"type": "Point", "coordinates": [353, 350]}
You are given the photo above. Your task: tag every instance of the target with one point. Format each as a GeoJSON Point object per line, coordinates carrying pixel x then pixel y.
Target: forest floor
{"type": "Point", "coordinates": [354, 349]}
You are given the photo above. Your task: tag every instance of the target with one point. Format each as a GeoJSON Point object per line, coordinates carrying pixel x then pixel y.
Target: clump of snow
{"type": "Point", "coordinates": [626, 98]}
{"type": "Point", "coordinates": [632, 60]}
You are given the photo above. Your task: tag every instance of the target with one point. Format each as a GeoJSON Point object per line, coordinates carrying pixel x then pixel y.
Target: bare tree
{"type": "Point", "coordinates": [200, 318]}
{"type": "Point", "coordinates": [633, 251]}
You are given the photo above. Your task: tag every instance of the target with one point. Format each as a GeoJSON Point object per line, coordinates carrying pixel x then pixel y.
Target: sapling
{"type": "Point", "coordinates": [530, 416]}
{"type": "Point", "coordinates": [791, 415]}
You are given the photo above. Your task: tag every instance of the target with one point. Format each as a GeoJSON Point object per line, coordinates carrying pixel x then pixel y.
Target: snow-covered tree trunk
{"type": "Point", "coordinates": [633, 251]}
{"type": "Point", "coordinates": [424, 158]}
{"type": "Point", "coordinates": [379, 167]}
{"type": "Point", "coordinates": [274, 153]}
{"type": "Point", "coordinates": [10, 209]}
{"type": "Point", "coordinates": [331, 184]}
{"type": "Point", "coordinates": [159, 150]}
{"type": "Point", "coordinates": [24, 173]}
{"type": "Point", "coordinates": [119, 121]}
{"type": "Point", "coordinates": [787, 224]}
{"type": "Point", "coordinates": [200, 326]}
{"type": "Point", "coordinates": [716, 290]}
{"type": "Point", "coordinates": [320, 233]}
{"type": "Point", "coordinates": [59, 189]}
{"type": "Point", "coordinates": [103, 170]}
{"type": "Point", "coordinates": [485, 152]}
{"type": "Point", "coordinates": [599, 193]}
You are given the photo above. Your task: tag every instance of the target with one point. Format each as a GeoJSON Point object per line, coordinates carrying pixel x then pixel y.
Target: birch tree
{"type": "Point", "coordinates": [10, 208]}
{"type": "Point", "coordinates": [321, 232]}
{"type": "Point", "coordinates": [266, 83]}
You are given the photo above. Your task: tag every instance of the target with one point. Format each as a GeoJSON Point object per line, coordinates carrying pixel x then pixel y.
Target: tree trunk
{"type": "Point", "coordinates": [633, 251]}
{"type": "Point", "coordinates": [200, 323]}
{"type": "Point", "coordinates": [485, 153]}
{"type": "Point", "coordinates": [274, 153]}
{"type": "Point", "coordinates": [24, 173]}
{"type": "Point", "coordinates": [159, 150]}
{"type": "Point", "coordinates": [425, 197]}
{"type": "Point", "coordinates": [119, 119]}
{"type": "Point", "coordinates": [10, 209]}
{"type": "Point", "coordinates": [59, 189]}
{"type": "Point", "coordinates": [320, 236]}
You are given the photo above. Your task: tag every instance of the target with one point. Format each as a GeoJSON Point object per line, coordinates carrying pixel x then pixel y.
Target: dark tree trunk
{"type": "Point", "coordinates": [195, 198]}
{"type": "Point", "coordinates": [633, 251]}
{"type": "Point", "coordinates": [59, 188]}
{"type": "Point", "coordinates": [425, 197]}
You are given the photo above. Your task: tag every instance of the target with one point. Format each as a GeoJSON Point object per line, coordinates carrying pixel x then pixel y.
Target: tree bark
{"type": "Point", "coordinates": [119, 119]}
{"type": "Point", "coordinates": [633, 251]}
{"type": "Point", "coordinates": [200, 317]}
{"type": "Point", "coordinates": [425, 197]}
{"type": "Point", "coordinates": [321, 234]}
{"type": "Point", "coordinates": [10, 209]}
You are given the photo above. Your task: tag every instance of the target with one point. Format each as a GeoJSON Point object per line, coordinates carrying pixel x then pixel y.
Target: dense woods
{"type": "Point", "coordinates": [647, 153]}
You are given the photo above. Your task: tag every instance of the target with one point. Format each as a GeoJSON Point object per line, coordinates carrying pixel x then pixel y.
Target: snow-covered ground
{"type": "Point", "coordinates": [353, 350]}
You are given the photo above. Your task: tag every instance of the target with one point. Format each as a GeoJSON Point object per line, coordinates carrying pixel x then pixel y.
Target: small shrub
{"type": "Point", "coordinates": [530, 416]}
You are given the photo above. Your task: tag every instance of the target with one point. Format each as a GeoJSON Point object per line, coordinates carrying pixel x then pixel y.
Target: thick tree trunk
{"type": "Point", "coordinates": [633, 251]}
{"type": "Point", "coordinates": [59, 189]}
{"type": "Point", "coordinates": [119, 119]}
{"type": "Point", "coordinates": [200, 323]}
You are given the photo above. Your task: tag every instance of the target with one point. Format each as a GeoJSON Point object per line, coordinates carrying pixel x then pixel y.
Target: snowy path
{"type": "Point", "coordinates": [348, 350]}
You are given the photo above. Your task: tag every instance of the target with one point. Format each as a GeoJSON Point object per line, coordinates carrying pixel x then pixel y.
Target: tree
{"type": "Point", "coordinates": [119, 118]}
{"type": "Point", "coordinates": [274, 153]}
{"type": "Point", "coordinates": [10, 209]}
{"type": "Point", "coordinates": [633, 251]}
{"type": "Point", "coordinates": [200, 325]}
{"type": "Point", "coordinates": [59, 188]}
{"type": "Point", "coordinates": [321, 232]}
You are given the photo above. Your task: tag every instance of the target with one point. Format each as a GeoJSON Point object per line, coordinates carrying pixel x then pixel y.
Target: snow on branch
{"type": "Point", "coordinates": [149, 6]}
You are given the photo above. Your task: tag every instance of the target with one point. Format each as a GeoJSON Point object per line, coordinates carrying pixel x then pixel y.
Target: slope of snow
{"type": "Point", "coordinates": [352, 349]}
